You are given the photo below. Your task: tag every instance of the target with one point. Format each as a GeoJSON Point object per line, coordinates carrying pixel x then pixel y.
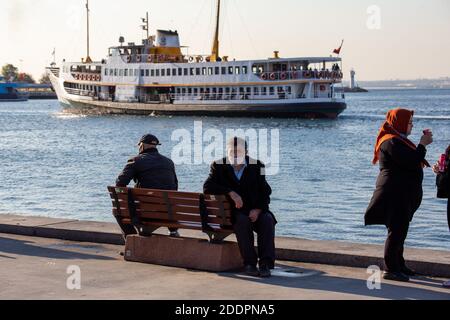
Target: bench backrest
{"type": "Point", "coordinates": [148, 210]}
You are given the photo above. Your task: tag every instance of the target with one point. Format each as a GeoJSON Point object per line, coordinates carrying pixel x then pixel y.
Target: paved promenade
{"type": "Point", "coordinates": [36, 268]}
{"type": "Point", "coordinates": [35, 254]}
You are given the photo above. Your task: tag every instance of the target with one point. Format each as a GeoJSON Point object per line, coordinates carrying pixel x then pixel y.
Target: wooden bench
{"type": "Point", "coordinates": [148, 210]}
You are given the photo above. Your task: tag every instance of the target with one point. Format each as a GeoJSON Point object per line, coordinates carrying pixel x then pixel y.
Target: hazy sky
{"type": "Point", "coordinates": [411, 38]}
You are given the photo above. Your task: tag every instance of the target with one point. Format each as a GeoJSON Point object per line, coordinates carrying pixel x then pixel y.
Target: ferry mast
{"type": "Point", "coordinates": [88, 58]}
{"type": "Point", "coordinates": [215, 49]}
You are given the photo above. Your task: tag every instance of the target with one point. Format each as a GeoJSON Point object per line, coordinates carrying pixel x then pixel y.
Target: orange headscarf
{"type": "Point", "coordinates": [395, 126]}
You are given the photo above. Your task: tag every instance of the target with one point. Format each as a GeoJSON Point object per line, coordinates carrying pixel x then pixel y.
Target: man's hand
{"type": "Point", "coordinates": [236, 199]}
{"type": "Point", "coordinates": [254, 215]}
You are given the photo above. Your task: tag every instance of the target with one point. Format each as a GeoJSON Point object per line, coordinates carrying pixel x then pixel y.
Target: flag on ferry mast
{"type": "Point", "coordinates": [338, 51]}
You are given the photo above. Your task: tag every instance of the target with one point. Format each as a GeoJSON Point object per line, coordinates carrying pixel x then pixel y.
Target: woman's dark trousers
{"type": "Point", "coordinates": [393, 249]}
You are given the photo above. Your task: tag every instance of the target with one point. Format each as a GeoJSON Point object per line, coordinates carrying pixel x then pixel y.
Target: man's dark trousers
{"type": "Point", "coordinates": [265, 228]}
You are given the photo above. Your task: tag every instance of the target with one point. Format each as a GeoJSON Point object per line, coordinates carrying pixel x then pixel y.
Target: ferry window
{"type": "Point", "coordinates": [217, 71]}
{"type": "Point", "coordinates": [195, 91]}
{"type": "Point", "coordinates": [180, 71]}
{"type": "Point", "coordinates": [163, 72]}
{"type": "Point", "coordinates": [147, 72]}
{"type": "Point", "coordinates": [249, 90]}
{"type": "Point", "coordinates": [136, 72]}
{"type": "Point", "coordinates": [272, 91]}
{"type": "Point", "coordinates": [152, 72]}
{"type": "Point", "coordinates": [126, 73]}
{"type": "Point", "coordinates": [204, 71]}
{"type": "Point", "coordinates": [192, 70]}
{"type": "Point", "coordinates": [130, 73]}
{"type": "Point", "coordinates": [106, 71]}
{"type": "Point", "coordinates": [197, 71]}
{"type": "Point", "coordinates": [142, 72]}
{"type": "Point", "coordinates": [157, 72]}
{"type": "Point", "coordinates": [289, 89]}
{"type": "Point", "coordinates": [224, 70]}
{"type": "Point", "coordinates": [238, 70]}
{"type": "Point", "coordinates": [256, 91]}
{"type": "Point", "coordinates": [178, 90]}
{"type": "Point", "coordinates": [174, 72]}
{"type": "Point", "coordinates": [220, 90]}
{"type": "Point", "coordinates": [185, 71]}
{"type": "Point", "coordinates": [210, 71]}
{"type": "Point", "coordinates": [115, 72]}
{"type": "Point", "coordinates": [264, 91]}
{"type": "Point", "coordinates": [183, 91]}
{"type": "Point", "coordinates": [227, 90]}
{"type": "Point", "coordinates": [244, 70]}
{"type": "Point", "coordinates": [230, 70]}
{"type": "Point", "coordinates": [121, 73]}
{"type": "Point", "coordinates": [168, 72]}
{"type": "Point", "coordinates": [189, 91]}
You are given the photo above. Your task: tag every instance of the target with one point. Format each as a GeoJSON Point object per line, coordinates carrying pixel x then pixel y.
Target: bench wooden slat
{"type": "Point", "coordinates": [180, 217]}
{"type": "Point", "coordinates": [181, 208]}
{"type": "Point", "coordinates": [124, 212]}
{"type": "Point", "coordinates": [175, 201]}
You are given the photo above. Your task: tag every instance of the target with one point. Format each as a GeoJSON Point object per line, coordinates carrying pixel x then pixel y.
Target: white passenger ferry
{"type": "Point", "coordinates": [155, 77]}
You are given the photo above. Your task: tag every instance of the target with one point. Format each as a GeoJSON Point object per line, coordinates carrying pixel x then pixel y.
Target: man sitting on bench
{"type": "Point", "coordinates": [243, 180]}
{"type": "Point", "coordinates": [150, 170]}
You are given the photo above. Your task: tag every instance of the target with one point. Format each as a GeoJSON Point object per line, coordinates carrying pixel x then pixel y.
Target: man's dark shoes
{"type": "Point", "coordinates": [410, 273]}
{"type": "Point", "coordinates": [395, 276]}
{"type": "Point", "coordinates": [251, 271]}
{"type": "Point", "coordinates": [264, 271]}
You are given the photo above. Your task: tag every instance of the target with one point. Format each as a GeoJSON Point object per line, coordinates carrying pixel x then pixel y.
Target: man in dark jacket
{"type": "Point", "coordinates": [243, 180]}
{"type": "Point", "coordinates": [149, 170]}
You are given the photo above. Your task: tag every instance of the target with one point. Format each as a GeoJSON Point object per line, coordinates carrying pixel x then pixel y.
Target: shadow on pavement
{"type": "Point", "coordinates": [30, 248]}
{"type": "Point", "coordinates": [317, 280]}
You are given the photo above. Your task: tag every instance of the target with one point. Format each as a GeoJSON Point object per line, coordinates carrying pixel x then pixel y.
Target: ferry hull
{"type": "Point", "coordinates": [282, 110]}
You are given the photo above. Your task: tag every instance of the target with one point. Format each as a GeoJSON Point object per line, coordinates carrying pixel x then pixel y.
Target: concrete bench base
{"type": "Point", "coordinates": [186, 253]}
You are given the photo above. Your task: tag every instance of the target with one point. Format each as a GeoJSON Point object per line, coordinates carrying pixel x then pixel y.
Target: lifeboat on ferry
{"type": "Point", "coordinates": [264, 76]}
{"type": "Point", "coordinates": [138, 58]}
{"type": "Point", "coordinates": [272, 76]}
{"type": "Point", "coordinates": [150, 58]}
{"type": "Point", "coordinates": [128, 59]}
{"type": "Point", "coordinates": [283, 76]}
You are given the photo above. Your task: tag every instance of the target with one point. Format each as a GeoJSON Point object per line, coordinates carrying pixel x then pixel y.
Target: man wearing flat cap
{"type": "Point", "coordinates": [149, 170]}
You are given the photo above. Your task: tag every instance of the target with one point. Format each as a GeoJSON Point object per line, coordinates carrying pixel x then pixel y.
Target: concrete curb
{"type": "Point", "coordinates": [427, 262]}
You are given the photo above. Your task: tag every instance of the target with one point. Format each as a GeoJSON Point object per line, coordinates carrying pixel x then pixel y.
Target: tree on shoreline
{"type": "Point", "coordinates": [11, 73]}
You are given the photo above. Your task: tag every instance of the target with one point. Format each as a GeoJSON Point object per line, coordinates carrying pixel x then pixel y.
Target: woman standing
{"type": "Point", "coordinates": [443, 184]}
{"type": "Point", "coordinates": [398, 192]}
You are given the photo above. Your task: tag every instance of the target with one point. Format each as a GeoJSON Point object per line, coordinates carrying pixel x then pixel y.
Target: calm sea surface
{"type": "Point", "coordinates": [58, 165]}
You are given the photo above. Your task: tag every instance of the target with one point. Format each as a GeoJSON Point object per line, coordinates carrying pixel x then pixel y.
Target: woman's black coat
{"type": "Point", "coordinates": [253, 187]}
{"type": "Point", "coordinates": [398, 193]}
{"type": "Point", "coordinates": [443, 182]}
